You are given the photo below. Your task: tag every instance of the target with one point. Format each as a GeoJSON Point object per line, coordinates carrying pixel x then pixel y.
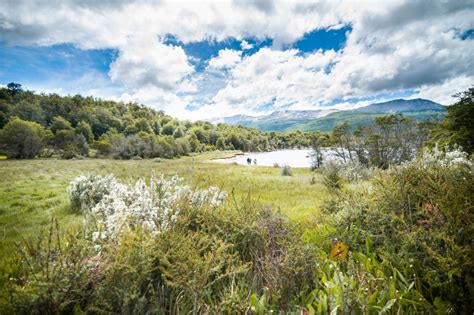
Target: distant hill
{"type": "Point", "coordinates": [401, 105]}
{"type": "Point", "coordinates": [325, 120]}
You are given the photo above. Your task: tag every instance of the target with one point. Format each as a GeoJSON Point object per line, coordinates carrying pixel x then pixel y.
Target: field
{"type": "Point", "coordinates": [405, 229]}
{"type": "Point", "coordinates": [34, 191]}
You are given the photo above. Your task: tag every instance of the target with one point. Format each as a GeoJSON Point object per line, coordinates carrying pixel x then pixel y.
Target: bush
{"type": "Point", "coordinates": [286, 170]}
{"type": "Point", "coordinates": [421, 213]}
{"type": "Point", "coordinates": [355, 171]}
{"type": "Point", "coordinates": [87, 191]}
{"type": "Point", "coordinates": [208, 259]}
{"type": "Point", "coordinates": [332, 177]}
{"type": "Point", "coordinates": [21, 139]}
{"type": "Point", "coordinates": [111, 207]}
{"type": "Point", "coordinates": [352, 171]}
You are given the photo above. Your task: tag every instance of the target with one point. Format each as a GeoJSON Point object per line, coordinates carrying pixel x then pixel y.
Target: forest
{"type": "Point", "coordinates": [49, 125]}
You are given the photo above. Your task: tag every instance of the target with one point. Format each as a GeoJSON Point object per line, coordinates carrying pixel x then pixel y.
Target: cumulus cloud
{"type": "Point", "coordinates": [392, 46]}
{"type": "Point", "coordinates": [145, 61]}
{"type": "Point", "coordinates": [227, 58]}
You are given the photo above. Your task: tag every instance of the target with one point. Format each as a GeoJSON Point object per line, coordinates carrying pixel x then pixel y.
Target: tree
{"type": "Point", "coordinates": [83, 128]}
{"type": "Point", "coordinates": [316, 155]}
{"type": "Point", "coordinates": [342, 138]}
{"type": "Point", "coordinates": [168, 129]}
{"type": "Point", "coordinates": [59, 123]}
{"type": "Point", "coordinates": [21, 139]}
{"type": "Point", "coordinates": [179, 132]}
{"type": "Point", "coordinates": [220, 143]}
{"type": "Point", "coordinates": [13, 88]}
{"type": "Point", "coordinates": [458, 126]}
{"type": "Point", "coordinates": [28, 110]}
{"type": "Point", "coordinates": [143, 125]}
{"type": "Point", "coordinates": [392, 139]}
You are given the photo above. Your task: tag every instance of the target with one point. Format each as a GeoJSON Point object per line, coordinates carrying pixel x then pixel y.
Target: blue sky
{"type": "Point", "coordinates": [32, 65]}
{"type": "Point", "coordinates": [36, 65]}
{"type": "Point", "coordinates": [222, 58]}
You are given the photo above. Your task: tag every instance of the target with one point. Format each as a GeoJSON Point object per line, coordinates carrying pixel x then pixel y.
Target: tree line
{"type": "Point", "coordinates": [394, 139]}
{"type": "Point", "coordinates": [48, 125]}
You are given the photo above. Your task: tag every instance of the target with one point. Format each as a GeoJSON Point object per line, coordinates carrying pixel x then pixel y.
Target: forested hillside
{"type": "Point", "coordinates": [326, 120]}
{"type": "Point", "coordinates": [73, 126]}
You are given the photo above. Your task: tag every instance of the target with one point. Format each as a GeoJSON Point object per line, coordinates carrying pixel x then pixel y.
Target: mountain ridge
{"type": "Point", "coordinates": [325, 120]}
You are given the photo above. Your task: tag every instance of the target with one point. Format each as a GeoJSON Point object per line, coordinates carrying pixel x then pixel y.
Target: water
{"type": "Point", "coordinates": [293, 158]}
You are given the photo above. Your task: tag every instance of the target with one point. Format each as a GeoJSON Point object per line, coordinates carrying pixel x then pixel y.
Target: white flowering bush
{"type": "Point", "coordinates": [110, 207]}
{"type": "Point", "coordinates": [356, 171]}
{"type": "Point", "coordinates": [88, 190]}
{"type": "Point", "coordinates": [446, 158]}
{"type": "Point", "coordinates": [353, 171]}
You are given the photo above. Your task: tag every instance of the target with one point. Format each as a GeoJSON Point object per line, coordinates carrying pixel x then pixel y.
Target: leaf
{"type": "Point", "coordinates": [368, 245]}
{"type": "Point", "coordinates": [388, 306]}
{"type": "Point", "coordinates": [310, 309]}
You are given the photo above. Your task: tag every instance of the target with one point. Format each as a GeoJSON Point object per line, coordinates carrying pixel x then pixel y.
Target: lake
{"type": "Point", "coordinates": [292, 157]}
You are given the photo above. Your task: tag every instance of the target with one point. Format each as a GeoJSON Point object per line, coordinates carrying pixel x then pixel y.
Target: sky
{"type": "Point", "coordinates": [203, 60]}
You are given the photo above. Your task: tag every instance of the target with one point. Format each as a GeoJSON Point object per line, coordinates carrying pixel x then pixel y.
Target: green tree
{"type": "Point", "coordinates": [13, 88]}
{"type": "Point", "coordinates": [22, 139]}
{"type": "Point", "coordinates": [143, 125]}
{"type": "Point", "coordinates": [60, 123]}
{"type": "Point", "coordinates": [28, 110]}
{"type": "Point", "coordinates": [168, 129]}
{"type": "Point", "coordinates": [83, 128]}
{"type": "Point", "coordinates": [458, 126]}
{"type": "Point", "coordinates": [342, 138]}
{"type": "Point", "coordinates": [63, 138]}
{"type": "Point", "coordinates": [179, 132]}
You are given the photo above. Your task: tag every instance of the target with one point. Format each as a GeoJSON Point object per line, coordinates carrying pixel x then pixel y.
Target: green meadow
{"type": "Point", "coordinates": [33, 192]}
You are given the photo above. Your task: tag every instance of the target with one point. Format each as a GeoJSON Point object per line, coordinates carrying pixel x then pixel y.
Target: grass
{"type": "Point", "coordinates": [34, 191]}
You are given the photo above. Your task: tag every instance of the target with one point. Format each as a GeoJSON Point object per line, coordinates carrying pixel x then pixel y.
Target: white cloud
{"type": "Point", "coordinates": [244, 45]}
{"type": "Point", "coordinates": [226, 59]}
{"type": "Point", "coordinates": [393, 46]}
{"type": "Point", "coordinates": [145, 61]}
{"type": "Point", "coordinates": [443, 93]}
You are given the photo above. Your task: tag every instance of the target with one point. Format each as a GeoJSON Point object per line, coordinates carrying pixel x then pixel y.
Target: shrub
{"type": "Point", "coordinates": [21, 139]}
{"type": "Point", "coordinates": [68, 154]}
{"type": "Point", "coordinates": [209, 260]}
{"type": "Point", "coordinates": [421, 212]}
{"type": "Point", "coordinates": [355, 171]}
{"type": "Point", "coordinates": [286, 170]}
{"type": "Point", "coordinates": [111, 207]}
{"type": "Point", "coordinates": [88, 190]}
{"type": "Point", "coordinates": [332, 177]}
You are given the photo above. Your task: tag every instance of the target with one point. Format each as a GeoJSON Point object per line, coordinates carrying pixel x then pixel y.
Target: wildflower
{"type": "Point", "coordinates": [111, 207]}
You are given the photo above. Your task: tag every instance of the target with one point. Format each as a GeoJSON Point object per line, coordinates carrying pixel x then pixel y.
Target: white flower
{"type": "Point", "coordinates": [110, 207]}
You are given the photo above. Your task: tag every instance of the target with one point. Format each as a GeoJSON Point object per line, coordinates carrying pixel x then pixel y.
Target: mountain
{"type": "Point", "coordinates": [278, 120]}
{"type": "Point", "coordinates": [325, 120]}
{"type": "Point", "coordinates": [401, 105]}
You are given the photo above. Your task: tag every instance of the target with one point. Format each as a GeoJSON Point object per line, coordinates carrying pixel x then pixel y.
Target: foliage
{"type": "Point", "coordinates": [286, 170]}
{"type": "Point", "coordinates": [351, 171]}
{"type": "Point", "coordinates": [457, 128]}
{"type": "Point", "coordinates": [365, 285]}
{"type": "Point", "coordinates": [22, 139]}
{"type": "Point", "coordinates": [421, 212]}
{"type": "Point", "coordinates": [86, 191]}
{"type": "Point", "coordinates": [332, 177]}
{"type": "Point", "coordinates": [128, 130]}
{"type": "Point", "coordinates": [111, 208]}
{"type": "Point", "coordinates": [210, 259]}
